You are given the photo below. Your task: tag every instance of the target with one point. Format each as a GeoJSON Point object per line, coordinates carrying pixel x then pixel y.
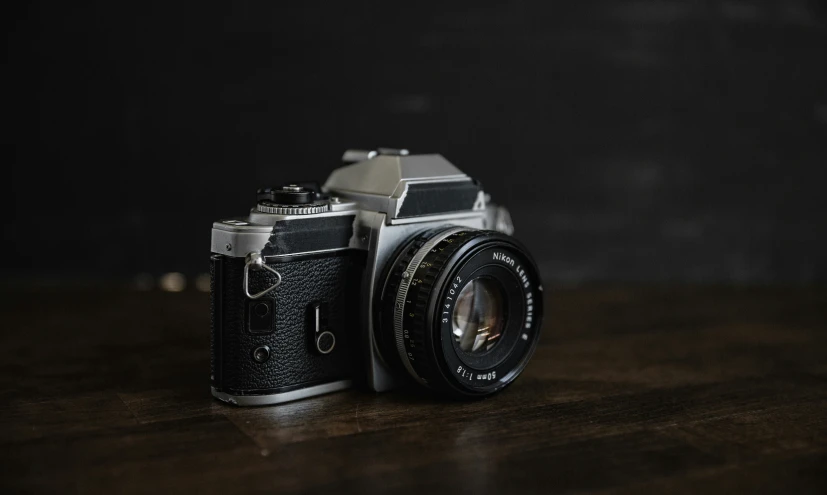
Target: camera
{"type": "Point", "coordinates": [398, 269]}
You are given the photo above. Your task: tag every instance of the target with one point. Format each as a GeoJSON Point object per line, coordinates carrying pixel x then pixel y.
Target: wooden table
{"type": "Point", "coordinates": [688, 390]}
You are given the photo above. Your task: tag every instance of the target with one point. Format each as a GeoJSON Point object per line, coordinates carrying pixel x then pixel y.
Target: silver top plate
{"type": "Point", "coordinates": [381, 182]}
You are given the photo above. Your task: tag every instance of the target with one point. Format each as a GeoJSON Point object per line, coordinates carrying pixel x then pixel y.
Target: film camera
{"type": "Point", "coordinates": [397, 269]}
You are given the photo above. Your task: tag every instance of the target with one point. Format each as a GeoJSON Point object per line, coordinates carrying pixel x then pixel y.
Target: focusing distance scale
{"type": "Point", "coordinates": [438, 303]}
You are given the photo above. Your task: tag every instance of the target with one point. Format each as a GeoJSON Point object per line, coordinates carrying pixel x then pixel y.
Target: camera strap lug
{"type": "Point", "coordinates": [255, 260]}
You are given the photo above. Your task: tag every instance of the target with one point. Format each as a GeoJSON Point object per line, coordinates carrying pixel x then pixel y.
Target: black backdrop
{"type": "Point", "coordinates": [633, 141]}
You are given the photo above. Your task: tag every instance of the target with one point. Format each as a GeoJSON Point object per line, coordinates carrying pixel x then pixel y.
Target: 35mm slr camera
{"type": "Point", "coordinates": [397, 269]}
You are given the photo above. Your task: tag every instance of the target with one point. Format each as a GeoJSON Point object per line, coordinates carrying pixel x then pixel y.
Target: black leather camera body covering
{"type": "Point", "coordinates": [268, 346]}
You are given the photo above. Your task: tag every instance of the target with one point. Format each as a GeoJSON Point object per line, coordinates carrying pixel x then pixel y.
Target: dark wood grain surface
{"type": "Point", "coordinates": [688, 390]}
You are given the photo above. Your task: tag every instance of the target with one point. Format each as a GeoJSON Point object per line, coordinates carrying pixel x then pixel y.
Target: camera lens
{"type": "Point", "coordinates": [460, 310]}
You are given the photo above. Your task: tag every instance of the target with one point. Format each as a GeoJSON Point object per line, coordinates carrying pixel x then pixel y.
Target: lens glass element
{"type": "Point", "coordinates": [479, 316]}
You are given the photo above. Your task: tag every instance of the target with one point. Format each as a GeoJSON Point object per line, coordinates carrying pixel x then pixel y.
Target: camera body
{"type": "Point", "coordinates": [321, 287]}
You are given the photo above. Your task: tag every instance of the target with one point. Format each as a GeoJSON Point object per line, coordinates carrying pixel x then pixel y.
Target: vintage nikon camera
{"type": "Point", "coordinates": [397, 269]}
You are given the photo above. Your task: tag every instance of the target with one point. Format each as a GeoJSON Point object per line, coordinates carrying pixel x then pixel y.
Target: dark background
{"type": "Point", "coordinates": [633, 141]}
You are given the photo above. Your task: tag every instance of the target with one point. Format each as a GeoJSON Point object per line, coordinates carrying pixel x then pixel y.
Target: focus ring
{"type": "Point", "coordinates": [406, 341]}
{"type": "Point", "coordinates": [393, 280]}
{"type": "Point", "coordinates": [413, 298]}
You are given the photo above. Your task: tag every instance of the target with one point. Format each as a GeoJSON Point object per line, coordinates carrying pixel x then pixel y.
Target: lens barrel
{"type": "Point", "coordinates": [461, 311]}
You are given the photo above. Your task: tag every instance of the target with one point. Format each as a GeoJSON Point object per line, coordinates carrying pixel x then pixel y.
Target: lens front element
{"type": "Point", "coordinates": [479, 316]}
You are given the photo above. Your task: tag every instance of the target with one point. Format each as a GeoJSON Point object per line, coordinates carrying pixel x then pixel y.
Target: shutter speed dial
{"type": "Point", "coordinates": [290, 200]}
